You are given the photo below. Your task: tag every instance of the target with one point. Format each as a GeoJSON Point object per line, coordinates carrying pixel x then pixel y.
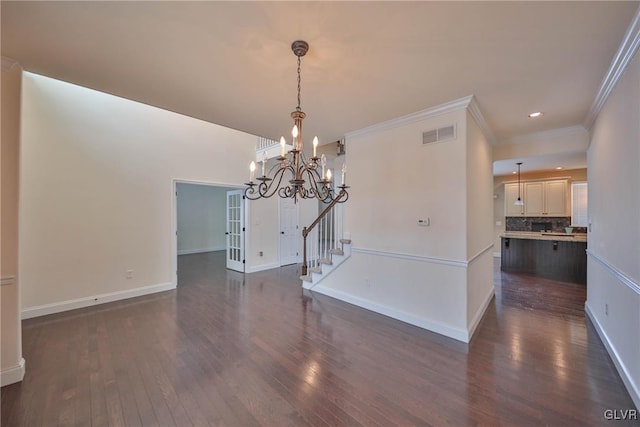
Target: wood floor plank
{"type": "Point", "coordinates": [226, 349]}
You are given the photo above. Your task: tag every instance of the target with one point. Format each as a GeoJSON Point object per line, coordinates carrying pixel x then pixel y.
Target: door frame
{"type": "Point", "coordinates": [174, 216]}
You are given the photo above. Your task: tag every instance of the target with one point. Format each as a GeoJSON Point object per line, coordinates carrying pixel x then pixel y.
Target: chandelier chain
{"type": "Point", "coordinates": [298, 107]}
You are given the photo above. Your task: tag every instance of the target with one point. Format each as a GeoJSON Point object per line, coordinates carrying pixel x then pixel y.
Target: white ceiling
{"type": "Point", "coordinates": [230, 62]}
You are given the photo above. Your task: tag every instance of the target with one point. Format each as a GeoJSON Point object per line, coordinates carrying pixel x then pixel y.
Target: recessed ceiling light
{"type": "Point", "coordinates": [536, 114]}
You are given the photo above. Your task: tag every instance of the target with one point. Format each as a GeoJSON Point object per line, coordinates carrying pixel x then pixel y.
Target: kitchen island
{"type": "Point", "coordinates": [558, 256]}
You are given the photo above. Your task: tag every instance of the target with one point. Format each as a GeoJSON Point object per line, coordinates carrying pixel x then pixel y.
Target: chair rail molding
{"type": "Point", "coordinates": [613, 270]}
{"type": "Point", "coordinates": [7, 280]}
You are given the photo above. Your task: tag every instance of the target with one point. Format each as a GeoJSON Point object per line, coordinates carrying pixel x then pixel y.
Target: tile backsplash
{"type": "Point", "coordinates": [546, 223]}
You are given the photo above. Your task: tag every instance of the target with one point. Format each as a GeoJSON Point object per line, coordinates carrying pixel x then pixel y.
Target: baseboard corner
{"type": "Point", "coordinates": [14, 374]}
{"type": "Point", "coordinates": [480, 313]}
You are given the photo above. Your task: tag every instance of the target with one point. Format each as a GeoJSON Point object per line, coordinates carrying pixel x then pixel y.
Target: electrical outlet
{"type": "Point", "coordinates": [260, 253]}
{"type": "Point", "coordinates": [606, 309]}
{"type": "Point", "coordinates": [128, 274]}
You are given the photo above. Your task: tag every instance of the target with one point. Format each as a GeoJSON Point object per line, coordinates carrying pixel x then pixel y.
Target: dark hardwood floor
{"type": "Point", "coordinates": [234, 350]}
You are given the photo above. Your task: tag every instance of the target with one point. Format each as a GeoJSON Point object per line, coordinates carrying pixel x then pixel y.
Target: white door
{"type": "Point", "coordinates": [235, 231]}
{"type": "Point", "coordinates": [290, 235]}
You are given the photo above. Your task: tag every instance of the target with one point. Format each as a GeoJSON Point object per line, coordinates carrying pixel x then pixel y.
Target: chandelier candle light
{"type": "Point", "coordinates": [305, 181]}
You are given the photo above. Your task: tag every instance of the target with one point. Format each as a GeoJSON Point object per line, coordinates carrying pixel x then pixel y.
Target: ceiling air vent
{"type": "Point", "coordinates": [438, 135]}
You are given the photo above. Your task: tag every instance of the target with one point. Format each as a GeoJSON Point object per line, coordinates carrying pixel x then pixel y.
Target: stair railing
{"type": "Point", "coordinates": [326, 237]}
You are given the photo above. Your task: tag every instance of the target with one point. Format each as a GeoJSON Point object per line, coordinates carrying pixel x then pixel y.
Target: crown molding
{"type": "Point", "coordinates": [475, 112]}
{"type": "Point", "coordinates": [468, 102]}
{"type": "Point", "coordinates": [8, 63]}
{"type": "Point", "coordinates": [438, 110]}
{"type": "Point", "coordinates": [618, 66]}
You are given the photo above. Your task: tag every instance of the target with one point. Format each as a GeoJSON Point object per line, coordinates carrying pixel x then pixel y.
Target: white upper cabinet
{"type": "Point", "coordinates": [510, 197]}
{"type": "Point", "coordinates": [534, 198]}
{"type": "Point", "coordinates": [555, 198]}
{"type": "Point", "coordinates": [541, 198]}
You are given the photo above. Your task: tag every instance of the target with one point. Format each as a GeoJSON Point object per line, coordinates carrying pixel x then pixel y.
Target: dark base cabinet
{"type": "Point", "coordinates": [558, 260]}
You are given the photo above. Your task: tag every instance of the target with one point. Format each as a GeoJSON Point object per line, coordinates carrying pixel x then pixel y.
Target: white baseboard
{"type": "Point", "coordinates": [497, 255]}
{"type": "Point", "coordinates": [262, 267]}
{"type": "Point", "coordinates": [14, 374]}
{"type": "Point", "coordinates": [442, 329]}
{"type": "Point", "coordinates": [201, 250]}
{"type": "Point", "coordinates": [58, 307]}
{"type": "Point", "coordinates": [480, 313]}
{"type": "Point", "coordinates": [632, 388]}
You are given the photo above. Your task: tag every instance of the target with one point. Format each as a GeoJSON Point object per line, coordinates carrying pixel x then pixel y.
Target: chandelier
{"type": "Point", "coordinates": [305, 178]}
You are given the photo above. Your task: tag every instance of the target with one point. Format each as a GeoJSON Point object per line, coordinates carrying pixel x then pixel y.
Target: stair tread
{"type": "Point", "coordinates": [326, 261]}
{"type": "Point", "coordinates": [306, 278]}
{"type": "Point", "coordinates": [336, 251]}
{"type": "Point", "coordinates": [316, 270]}
{"type": "Point", "coordinates": [345, 241]}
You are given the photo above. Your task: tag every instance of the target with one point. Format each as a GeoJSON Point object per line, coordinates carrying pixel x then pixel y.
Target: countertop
{"type": "Point", "coordinates": [563, 237]}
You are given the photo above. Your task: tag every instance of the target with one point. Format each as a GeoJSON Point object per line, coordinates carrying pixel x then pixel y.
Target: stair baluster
{"type": "Point", "coordinates": [307, 230]}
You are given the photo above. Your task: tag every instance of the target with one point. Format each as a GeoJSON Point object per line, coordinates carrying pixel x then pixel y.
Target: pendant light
{"type": "Point", "coordinates": [519, 201]}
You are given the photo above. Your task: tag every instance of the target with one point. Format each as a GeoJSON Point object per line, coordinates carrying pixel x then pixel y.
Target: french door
{"type": "Point", "coordinates": [235, 231]}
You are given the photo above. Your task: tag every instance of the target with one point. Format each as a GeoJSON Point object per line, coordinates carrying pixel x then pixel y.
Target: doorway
{"type": "Point", "coordinates": [201, 223]}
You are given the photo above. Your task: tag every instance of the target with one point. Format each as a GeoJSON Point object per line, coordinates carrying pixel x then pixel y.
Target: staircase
{"type": "Point", "coordinates": [325, 245]}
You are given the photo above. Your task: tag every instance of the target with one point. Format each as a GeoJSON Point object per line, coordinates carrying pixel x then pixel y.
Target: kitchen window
{"type": "Point", "coordinates": [579, 217]}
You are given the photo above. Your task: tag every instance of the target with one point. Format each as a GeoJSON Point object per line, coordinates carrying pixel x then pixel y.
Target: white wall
{"type": "Point", "coordinates": [613, 290]}
{"type": "Point", "coordinates": [396, 180]}
{"type": "Point", "coordinates": [201, 218]}
{"type": "Point", "coordinates": [97, 196]}
{"type": "Point", "coordinates": [479, 229]}
{"type": "Point", "coordinates": [398, 268]}
{"type": "Point", "coordinates": [11, 362]}
{"type": "Point", "coordinates": [264, 236]}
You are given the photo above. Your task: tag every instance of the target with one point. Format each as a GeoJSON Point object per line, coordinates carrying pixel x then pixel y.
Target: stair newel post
{"type": "Point", "coordinates": [305, 232]}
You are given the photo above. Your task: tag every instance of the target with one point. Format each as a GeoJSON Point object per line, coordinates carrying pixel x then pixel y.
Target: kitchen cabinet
{"type": "Point", "coordinates": [510, 197]}
{"type": "Point", "coordinates": [534, 198]}
{"type": "Point", "coordinates": [555, 198]}
{"type": "Point", "coordinates": [541, 198]}
{"type": "Point", "coordinates": [546, 198]}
